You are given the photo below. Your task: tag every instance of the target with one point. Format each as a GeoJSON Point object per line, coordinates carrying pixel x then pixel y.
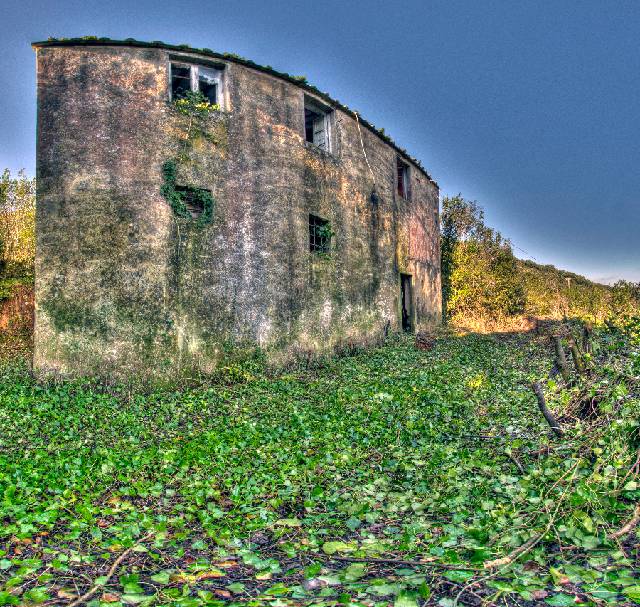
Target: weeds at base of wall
{"type": "Point", "coordinates": [237, 364]}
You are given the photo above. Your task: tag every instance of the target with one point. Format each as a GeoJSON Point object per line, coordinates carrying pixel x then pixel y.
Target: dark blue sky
{"type": "Point", "coordinates": [531, 108]}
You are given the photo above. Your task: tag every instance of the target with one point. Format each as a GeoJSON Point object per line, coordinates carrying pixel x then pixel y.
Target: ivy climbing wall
{"type": "Point", "coordinates": [171, 239]}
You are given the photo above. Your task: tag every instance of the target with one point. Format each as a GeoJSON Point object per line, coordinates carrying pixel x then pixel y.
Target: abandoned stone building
{"type": "Point", "coordinates": [193, 207]}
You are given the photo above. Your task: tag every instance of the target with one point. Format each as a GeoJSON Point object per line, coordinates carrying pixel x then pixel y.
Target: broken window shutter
{"type": "Point", "coordinates": [319, 136]}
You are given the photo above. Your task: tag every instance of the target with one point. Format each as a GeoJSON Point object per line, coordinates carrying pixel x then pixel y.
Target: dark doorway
{"type": "Point", "coordinates": [407, 302]}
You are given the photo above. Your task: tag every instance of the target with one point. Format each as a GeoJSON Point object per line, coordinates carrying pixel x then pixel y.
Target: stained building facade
{"type": "Point", "coordinates": [194, 206]}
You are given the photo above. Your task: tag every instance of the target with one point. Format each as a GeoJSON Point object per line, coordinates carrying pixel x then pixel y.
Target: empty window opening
{"type": "Point", "coordinates": [403, 178]}
{"type": "Point", "coordinates": [193, 199]}
{"type": "Point", "coordinates": [316, 124]}
{"type": "Point", "coordinates": [406, 294]}
{"type": "Point", "coordinates": [185, 78]}
{"type": "Point", "coordinates": [319, 235]}
{"type": "Point", "coordinates": [208, 83]}
{"type": "Point", "coordinates": [180, 80]}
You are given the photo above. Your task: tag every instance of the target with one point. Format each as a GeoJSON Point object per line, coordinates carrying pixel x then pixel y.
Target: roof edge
{"type": "Point", "coordinates": [300, 81]}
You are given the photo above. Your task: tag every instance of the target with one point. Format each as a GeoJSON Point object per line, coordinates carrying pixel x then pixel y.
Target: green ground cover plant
{"type": "Point", "coordinates": [397, 476]}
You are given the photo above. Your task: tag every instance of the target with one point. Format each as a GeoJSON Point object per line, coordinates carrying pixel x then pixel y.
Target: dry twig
{"type": "Point", "coordinates": [628, 526]}
{"type": "Point", "coordinates": [81, 600]}
{"type": "Point", "coordinates": [512, 556]}
{"type": "Point", "coordinates": [348, 559]}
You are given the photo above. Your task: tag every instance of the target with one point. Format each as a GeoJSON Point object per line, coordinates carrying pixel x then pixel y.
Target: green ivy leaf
{"type": "Point", "coordinates": [406, 599]}
{"type": "Point", "coordinates": [353, 523]}
{"type": "Point", "coordinates": [6, 598]}
{"type": "Point", "coordinates": [333, 547]}
{"type": "Point", "coordinates": [288, 522]}
{"type": "Point", "coordinates": [161, 578]}
{"type": "Point", "coordinates": [135, 599]}
{"type": "Point", "coordinates": [561, 600]}
{"type": "Point", "coordinates": [37, 595]}
{"type": "Point", "coordinates": [354, 572]}
{"type": "Point", "coordinates": [236, 587]}
{"type": "Point", "coordinates": [458, 575]}
{"type": "Point", "coordinates": [632, 592]}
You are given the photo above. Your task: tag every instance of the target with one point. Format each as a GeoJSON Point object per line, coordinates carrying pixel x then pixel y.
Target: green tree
{"type": "Point", "coordinates": [17, 225]}
{"type": "Point", "coordinates": [480, 274]}
{"type": "Point", "coordinates": [625, 298]}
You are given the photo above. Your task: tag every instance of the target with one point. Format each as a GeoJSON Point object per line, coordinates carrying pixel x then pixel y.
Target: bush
{"type": "Point", "coordinates": [485, 285]}
{"type": "Point", "coordinates": [17, 225]}
{"type": "Point", "coordinates": [480, 275]}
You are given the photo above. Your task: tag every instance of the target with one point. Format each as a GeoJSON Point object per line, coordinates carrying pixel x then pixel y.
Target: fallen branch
{"type": "Point", "coordinates": [577, 357]}
{"type": "Point", "coordinates": [81, 600]}
{"type": "Point", "coordinates": [505, 561]}
{"type": "Point", "coordinates": [348, 559]}
{"type": "Point", "coordinates": [561, 359]}
{"type": "Point", "coordinates": [542, 405]}
{"type": "Point", "coordinates": [628, 526]}
{"type": "Point", "coordinates": [513, 555]}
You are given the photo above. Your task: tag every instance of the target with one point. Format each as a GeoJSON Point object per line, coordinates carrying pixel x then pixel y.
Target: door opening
{"type": "Point", "coordinates": [406, 289]}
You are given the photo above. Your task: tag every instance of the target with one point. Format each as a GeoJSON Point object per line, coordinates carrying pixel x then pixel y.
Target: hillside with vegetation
{"type": "Point", "coordinates": [485, 287]}
{"type": "Point", "coordinates": [462, 468]}
{"type": "Point", "coordinates": [17, 222]}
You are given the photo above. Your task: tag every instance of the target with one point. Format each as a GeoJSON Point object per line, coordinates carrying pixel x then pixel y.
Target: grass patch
{"type": "Point", "coordinates": [391, 476]}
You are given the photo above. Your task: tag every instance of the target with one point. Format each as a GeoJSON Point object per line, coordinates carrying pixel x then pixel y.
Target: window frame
{"type": "Point", "coordinates": [318, 245]}
{"type": "Point", "coordinates": [405, 179]}
{"type": "Point", "coordinates": [188, 192]}
{"type": "Point", "coordinates": [313, 105]}
{"type": "Point", "coordinates": [194, 78]}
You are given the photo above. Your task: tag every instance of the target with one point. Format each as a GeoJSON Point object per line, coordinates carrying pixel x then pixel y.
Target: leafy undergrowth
{"type": "Point", "coordinates": [16, 316]}
{"type": "Point", "coordinates": [393, 477]}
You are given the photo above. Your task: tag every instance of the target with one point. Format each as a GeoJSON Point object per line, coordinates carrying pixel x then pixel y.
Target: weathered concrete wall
{"type": "Point", "coordinates": [124, 287]}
